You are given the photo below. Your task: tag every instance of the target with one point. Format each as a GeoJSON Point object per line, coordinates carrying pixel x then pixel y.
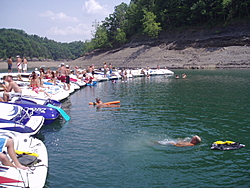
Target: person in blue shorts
{"type": "Point", "coordinates": [9, 61]}
{"type": "Point", "coordinates": [9, 143]}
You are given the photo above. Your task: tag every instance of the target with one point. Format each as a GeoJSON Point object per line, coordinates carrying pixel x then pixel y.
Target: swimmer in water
{"type": "Point", "coordinates": [182, 143]}
{"type": "Point", "coordinates": [100, 104]}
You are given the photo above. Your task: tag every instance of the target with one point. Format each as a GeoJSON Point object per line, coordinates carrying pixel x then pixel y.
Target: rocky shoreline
{"type": "Point", "coordinates": [194, 48]}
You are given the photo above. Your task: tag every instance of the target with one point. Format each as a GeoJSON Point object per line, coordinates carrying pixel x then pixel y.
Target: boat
{"type": "Point", "coordinates": [35, 100]}
{"type": "Point", "coordinates": [15, 118]}
{"type": "Point", "coordinates": [30, 148]}
{"type": "Point", "coordinates": [49, 114]}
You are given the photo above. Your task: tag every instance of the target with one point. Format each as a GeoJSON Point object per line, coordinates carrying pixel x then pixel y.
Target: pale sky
{"type": "Point", "coordinates": [59, 20]}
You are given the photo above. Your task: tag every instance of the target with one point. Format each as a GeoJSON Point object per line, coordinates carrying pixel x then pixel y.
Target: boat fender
{"type": "Point", "coordinates": [226, 145]}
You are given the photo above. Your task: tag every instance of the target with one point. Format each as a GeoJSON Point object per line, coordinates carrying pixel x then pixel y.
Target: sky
{"type": "Point", "coordinates": [59, 20]}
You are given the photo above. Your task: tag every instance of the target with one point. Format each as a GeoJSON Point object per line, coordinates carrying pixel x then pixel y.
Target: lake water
{"type": "Point", "coordinates": [115, 147]}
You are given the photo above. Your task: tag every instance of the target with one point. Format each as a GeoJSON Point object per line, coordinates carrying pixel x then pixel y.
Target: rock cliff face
{"type": "Point", "coordinates": [220, 47]}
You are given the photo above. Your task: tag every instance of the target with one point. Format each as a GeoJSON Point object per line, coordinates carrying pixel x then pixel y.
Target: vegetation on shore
{"type": "Point", "coordinates": [151, 17]}
{"type": "Point", "coordinates": [140, 17]}
{"type": "Point", "coordinates": [15, 42]}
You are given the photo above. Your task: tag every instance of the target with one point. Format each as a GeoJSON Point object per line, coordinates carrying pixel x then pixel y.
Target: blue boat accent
{"type": "Point", "coordinates": [92, 84]}
{"type": "Point", "coordinates": [28, 100]}
{"type": "Point", "coordinates": [49, 114]}
{"type": "Point", "coordinates": [61, 111]}
{"type": "Point", "coordinates": [15, 111]}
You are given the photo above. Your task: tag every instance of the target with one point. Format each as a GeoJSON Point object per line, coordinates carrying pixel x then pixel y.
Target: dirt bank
{"type": "Point", "coordinates": [219, 47]}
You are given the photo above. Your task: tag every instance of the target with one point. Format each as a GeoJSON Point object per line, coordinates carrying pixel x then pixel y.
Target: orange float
{"type": "Point", "coordinates": [106, 103]}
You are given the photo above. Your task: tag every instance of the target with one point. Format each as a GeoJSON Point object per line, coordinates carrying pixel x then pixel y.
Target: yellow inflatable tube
{"type": "Point", "coordinates": [26, 153]}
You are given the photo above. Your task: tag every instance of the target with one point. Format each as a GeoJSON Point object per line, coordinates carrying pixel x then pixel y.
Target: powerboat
{"type": "Point", "coordinates": [50, 114]}
{"type": "Point", "coordinates": [35, 100]}
{"type": "Point", "coordinates": [30, 152]}
{"type": "Point", "coordinates": [15, 118]}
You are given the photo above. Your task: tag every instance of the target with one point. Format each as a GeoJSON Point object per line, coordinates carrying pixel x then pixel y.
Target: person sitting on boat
{"type": "Point", "coordinates": [9, 143]}
{"type": "Point", "coordinates": [182, 143]}
{"type": "Point", "coordinates": [35, 85]}
{"type": "Point", "coordinates": [11, 86]}
{"type": "Point", "coordinates": [88, 78]}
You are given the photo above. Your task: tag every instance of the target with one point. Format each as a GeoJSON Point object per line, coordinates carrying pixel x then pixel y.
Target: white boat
{"type": "Point", "coordinates": [55, 92]}
{"type": "Point", "coordinates": [136, 73]}
{"type": "Point", "coordinates": [15, 118]}
{"type": "Point", "coordinates": [35, 177]}
{"type": "Point", "coordinates": [99, 76]}
{"type": "Point", "coordinates": [167, 72]}
{"type": "Point", "coordinates": [74, 79]}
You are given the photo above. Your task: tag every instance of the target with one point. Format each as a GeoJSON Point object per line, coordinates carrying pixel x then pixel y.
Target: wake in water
{"type": "Point", "coordinates": [171, 141]}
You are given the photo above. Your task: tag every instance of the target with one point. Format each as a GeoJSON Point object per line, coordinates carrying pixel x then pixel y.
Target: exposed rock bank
{"type": "Point", "coordinates": [220, 47]}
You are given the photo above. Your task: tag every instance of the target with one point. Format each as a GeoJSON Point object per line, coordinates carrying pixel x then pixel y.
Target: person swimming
{"type": "Point", "coordinates": [183, 143]}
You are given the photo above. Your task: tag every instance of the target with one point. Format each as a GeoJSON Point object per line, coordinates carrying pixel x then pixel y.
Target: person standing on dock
{"type": "Point", "coordinates": [19, 64]}
{"type": "Point", "coordinates": [9, 61]}
{"type": "Point", "coordinates": [105, 69]}
{"type": "Point", "coordinates": [25, 65]}
{"type": "Point", "coordinates": [67, 73]}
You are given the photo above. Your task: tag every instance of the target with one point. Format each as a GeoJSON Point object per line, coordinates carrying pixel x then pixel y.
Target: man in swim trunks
{"type": "Point", "coordinates": [181, 143]}
{"type": "Point", "coordinates": [9, 61]}
{"type": "Point", "coordinates": [19, 64]}
{"type": "Point", "coordinates": [25, 65]}
{"type": "Point", "coordinates": [67, 73]}
{"type": "Point", "coordinates": [62, 74]}
{"type": "Point", "coordinates": [9, 143]}
{"type": "Point", "coordinates": [12, 86]}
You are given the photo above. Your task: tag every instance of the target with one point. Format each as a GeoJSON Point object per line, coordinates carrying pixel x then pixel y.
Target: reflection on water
{"type": "Point", "coordinates": [118, 147]}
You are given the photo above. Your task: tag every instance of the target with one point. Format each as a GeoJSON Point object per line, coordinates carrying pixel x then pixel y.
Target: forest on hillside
{"type": "Point", "coordinates": [151, 17]}
{"type": "Point", "coordinates": [15, 42]}
{"type": "Point", "coordinates": [140, 17]}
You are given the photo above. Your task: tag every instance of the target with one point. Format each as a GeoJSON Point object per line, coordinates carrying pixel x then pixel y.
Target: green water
{"type": "Point", "coordinates": [115, 147]}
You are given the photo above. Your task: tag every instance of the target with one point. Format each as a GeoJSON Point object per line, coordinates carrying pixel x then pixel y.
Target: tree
{"type": "Point", "coordinates": [120, 37]}
{"type": "Point", "coordinates": [100, 39]}
{"type": "Point", "coordinates": [151, 28]}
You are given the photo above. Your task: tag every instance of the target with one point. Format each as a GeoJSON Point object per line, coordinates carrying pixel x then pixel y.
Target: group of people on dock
{"type": "Point", "coordinates": [21, 64]}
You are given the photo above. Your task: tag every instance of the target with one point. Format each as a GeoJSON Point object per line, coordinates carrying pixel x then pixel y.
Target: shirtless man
{"type": "Point", "coordinates": [62, 74]}
{"type": "Point", "coordinates": [9, 61]}
{"type": "Point", "coordinates": [105, 69]}
{"type": "Point", "coordinates": [67, 73]}
{"type": "Point", "coordinates": [12, 86]}
{"type": "Point", "coordinates": [19, 64]}
{"type": "Point", "coordinates": [181, 143]}
{"type": "Point", "coordinates": [9, 143]}
{"type": "Point", "coordinates": [25, 65]}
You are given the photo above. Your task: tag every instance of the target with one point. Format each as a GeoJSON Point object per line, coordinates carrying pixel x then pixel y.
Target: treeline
{"type": "Point", "coordinates": [151, 17]}
{"type": "Point", "coordinates": [15, 42]}
{"type": "Point", "coordinates": [148, 17]}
